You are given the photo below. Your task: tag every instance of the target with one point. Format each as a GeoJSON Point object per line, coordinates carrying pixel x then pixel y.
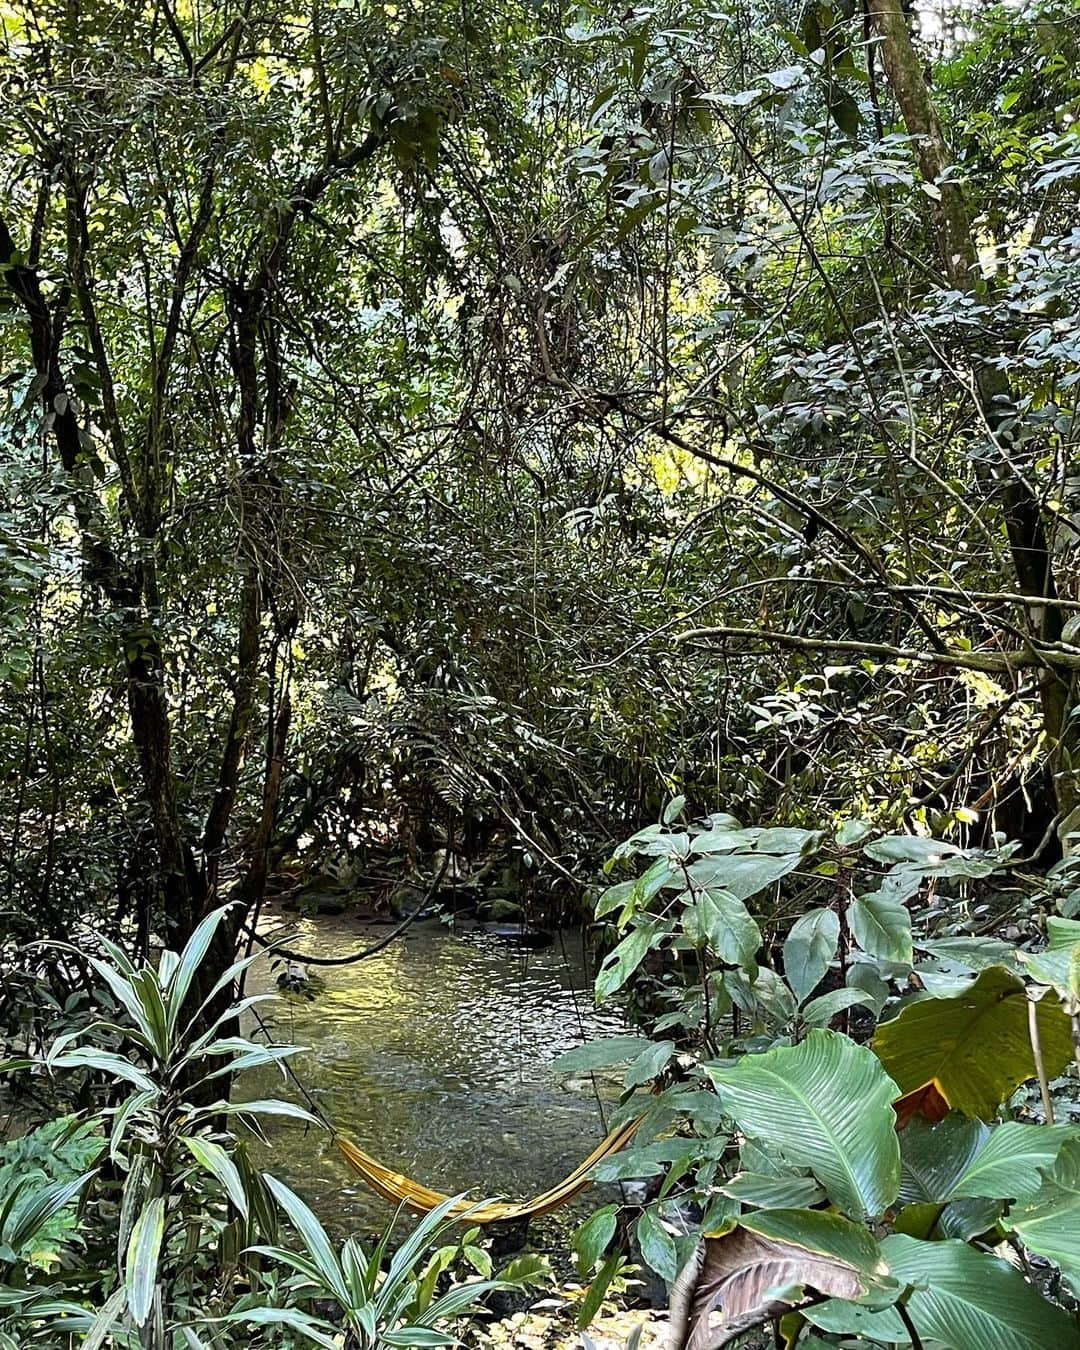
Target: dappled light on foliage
{"type": "Point", "coordinates": [550, 478]}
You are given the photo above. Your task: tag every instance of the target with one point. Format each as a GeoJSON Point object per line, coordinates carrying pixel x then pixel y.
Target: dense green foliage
{"type": "Point", "coordinates": [796, 1159]}
{"type": "Point", "coordinates": [435, 434]}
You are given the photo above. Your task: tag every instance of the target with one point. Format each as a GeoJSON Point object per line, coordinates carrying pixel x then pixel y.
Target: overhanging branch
{"type": "Point", "coordinates": [1002, 663]}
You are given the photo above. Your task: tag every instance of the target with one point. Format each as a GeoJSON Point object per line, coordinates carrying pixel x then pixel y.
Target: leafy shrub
{"type": "Point", "coordinates": [859, 1190]}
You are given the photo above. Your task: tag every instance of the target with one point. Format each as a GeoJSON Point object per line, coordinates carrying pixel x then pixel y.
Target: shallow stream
{"type": "Point", "coordinates": [434, 1056]}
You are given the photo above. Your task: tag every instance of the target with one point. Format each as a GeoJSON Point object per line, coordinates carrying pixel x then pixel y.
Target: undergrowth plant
{"type": "Point", "coordinates": [842, 1134]}
{"type": "Point", "coordinates": [200, 1259]}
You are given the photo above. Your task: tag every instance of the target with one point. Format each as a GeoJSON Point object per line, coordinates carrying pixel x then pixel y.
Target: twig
{"type": "Point", "coordinates": [1040, 1066]}
{"type": "Point", "coordinates": [909, 1326]}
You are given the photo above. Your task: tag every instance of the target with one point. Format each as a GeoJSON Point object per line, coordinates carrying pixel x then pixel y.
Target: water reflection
{"type": "Point", "coordinates": [433, 1055]}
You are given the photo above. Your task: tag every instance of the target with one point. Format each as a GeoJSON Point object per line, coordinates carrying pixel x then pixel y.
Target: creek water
{"type": "Point", "coordinates": [434, 1055]}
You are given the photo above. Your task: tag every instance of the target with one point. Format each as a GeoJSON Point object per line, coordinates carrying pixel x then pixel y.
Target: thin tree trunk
{"type": "Point", "coordinates": [1022, 512]}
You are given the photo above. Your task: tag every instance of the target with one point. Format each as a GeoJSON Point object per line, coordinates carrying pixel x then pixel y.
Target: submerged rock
{"type": "Point", "coordinates": [503, 911]}
{"type": "Point", "coordinates": [520, 934]}
{"type": "Point", "coordinates": [296, 980]}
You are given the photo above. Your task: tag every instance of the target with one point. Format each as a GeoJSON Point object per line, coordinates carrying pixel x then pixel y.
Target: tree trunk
{"type": "Point", "coordinates": [1022, 512]}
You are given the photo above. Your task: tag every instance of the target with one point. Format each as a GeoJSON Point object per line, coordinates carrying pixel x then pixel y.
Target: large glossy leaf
{"type": "Point", "coordinates": [768, 1192]}
{"type": "Point", "coordinates": [963, 1299]}
{"type": "Point", "coordinates": [718, 920]}
{"type": "Point", "coordinates": [974, 1047]}
{"type": "Point", "coordinates": [1059, 964]}
{"type": "Point", "coordinates": [1049, 1223]}
{"type": "Point", "coordinates": [934, 1155]}
{"type": "Point", "coordinates": [623, 960]}
{"type": "Point", "coordinates": [599, 1054]}
{"type": "Point", "coordinates": [1008, 1164]}
{"type": "Point", "coordinates": [823, 1235]}
{"type": "Point", "coordinates": [742, 874]}
{"type": "Point", "coordinates": [853, 1319]}
{"type": "Point", "coordinates": [809, 947]}
{"type": "Point", "coordinates": [820, 1011]}
{"type": "Point", "coordinates": [882, 928]}
{"type": "Point", "coordinates": [825, 1104]}
{"type": "Point", "coordinates": [909, 848]}
{"type": "Point", "coordinates": [591, 1239]}
{"type": "Point", "coordinates": [657, 1245]}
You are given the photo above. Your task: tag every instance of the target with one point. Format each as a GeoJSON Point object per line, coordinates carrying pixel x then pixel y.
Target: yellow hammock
{"type": "Point", "coordinates": [401, 1190]}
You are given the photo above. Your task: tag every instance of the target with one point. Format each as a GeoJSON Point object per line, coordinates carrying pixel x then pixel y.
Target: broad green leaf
{"type": "Point", "coordinates": [909, 848]}
{"type": "Point", "coordinates": [615, 897]}
{"type": "Point", "coordinates": [809, 948]}
{"type": "Point", "coordinates": [673, 810]}
{"type": "Point", "coordinates": [934, 1156]}
{"type": "Point", "coordinates": [143, 1255]}
{"type": "Point", "coordinates": [591, 1239]}
{"type": "Point", "coordinates": [820, 1233]}
{"type": "Point", "coordinates": [600, 1054]}
{"type": "Point", "coordinates": [975, 1046]}
{"type": "Point", "coordinates": [525, 1270]}
{"type": "Point", "coordinates": [882, 928]}
{"type": "Point", "coordinates": [1007, 1166]}
{"type": "Point", "coordinates": [651, 1160]}
{"type": "Point", "coordinates": [649, 1063]}
{"type": "Point", "coordinates": [774, 1192]}
{"type": "Point", "coordinates": [620, 964]}
{"type": "Point", "coordinates": [741, 874]}
{"type": "Point", "coordinates": [855, 1319]}
{"type": "Point", "coordinates": [784, 839]}
{"type": "Point", "coordinates": [594, 1297]}
{"type": "Point", "coordinates": [657, 1245]}
{"type": "Point", "coordinates": [723, 839]}
{"type": "Point", "coordinates": [864, 975]}
{"type": "Point", "coordinates": [1049, 1222]}
{"type": "Point", "coordinates": [825, 1104]}
{"type": "Point", "coordinates": [973, 953]}
{"type": "Point", "coordinates": [1059, 964]}
{"type": "Point", "coordinates": [853, 832]}
{"type": "Point", "coordinates": [964, 1299]}
{"type": "Point", "coordinates": [724, 924]}
{"type": "Point", "coordinates": [820, 1011]}
{"type": "Point", "coordinates": [770, 992]}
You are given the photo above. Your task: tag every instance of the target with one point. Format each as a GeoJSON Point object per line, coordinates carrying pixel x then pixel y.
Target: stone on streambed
{"type": "Point", "coordinates": [519, 934]}
{"type": "Point", "coordinates": [499, 910]}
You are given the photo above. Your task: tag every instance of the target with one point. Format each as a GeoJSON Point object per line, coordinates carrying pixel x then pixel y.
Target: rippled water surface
{"type": "Point", "coordinates": [433, 1055]}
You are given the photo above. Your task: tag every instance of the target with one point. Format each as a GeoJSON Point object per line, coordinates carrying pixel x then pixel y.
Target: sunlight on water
{"type": "Point", "coordinates": [433, 1056]}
